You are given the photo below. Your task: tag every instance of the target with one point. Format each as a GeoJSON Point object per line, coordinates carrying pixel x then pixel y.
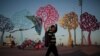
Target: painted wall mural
{"type": "Point", "coordinates": [42, 16]}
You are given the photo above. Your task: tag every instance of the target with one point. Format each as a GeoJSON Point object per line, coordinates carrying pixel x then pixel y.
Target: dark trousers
{"type": "Point", "coordinates": [52, 48]}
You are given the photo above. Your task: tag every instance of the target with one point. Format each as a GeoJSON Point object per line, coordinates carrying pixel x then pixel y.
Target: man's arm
{"type": "Point", "coordinates": [55, 28]}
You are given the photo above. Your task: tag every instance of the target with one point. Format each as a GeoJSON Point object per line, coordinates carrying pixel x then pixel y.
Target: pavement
{"type": "Point", "coordinates": [63, 51]}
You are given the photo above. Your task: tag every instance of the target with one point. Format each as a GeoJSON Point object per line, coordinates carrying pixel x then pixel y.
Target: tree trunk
{"type": "Point", "coordinates": [70, 39]}
{"type": "Point", "coordinates": [89, 38]}
{"type": "Point", "coordinates": [75, 36]}
{"type": "Point", "coordinates": [1, 40]}
{"type": "Point", "coordinates": [21, 37]}
{"type": "Point", "coordinates": [82, 38]}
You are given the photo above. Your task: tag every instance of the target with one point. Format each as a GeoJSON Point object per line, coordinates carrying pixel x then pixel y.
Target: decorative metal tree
{"type": "Point", "coordinates": [21, 22]}
{"type": "Point", "coordinates": [69, 21]}
{"type": "Point", "coordinates": [88, 23]}
{"type": "Point", "coordinates": [5, 25]}
{"type": "Point", "coordinates": [49, 15]}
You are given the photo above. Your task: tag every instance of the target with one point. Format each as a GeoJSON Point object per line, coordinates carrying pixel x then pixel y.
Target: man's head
{"type": "Point", "coordinates": [53, 28]}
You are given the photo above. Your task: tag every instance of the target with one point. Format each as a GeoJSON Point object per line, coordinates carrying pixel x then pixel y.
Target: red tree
{"type": "Point", "coordinates": [88, 23]}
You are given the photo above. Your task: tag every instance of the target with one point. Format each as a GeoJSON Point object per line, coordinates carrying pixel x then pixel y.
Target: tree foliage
{"type": "Point", "coordinates": [69, 21]}
{"type": "Point", "coordinates": [20, 20]}
{"type": "Point", "coordinates": [88, 22]}
{"type": "Point", "coordinates": [5, 24]}
{"type": "Point", "coordinates": [49, 15]}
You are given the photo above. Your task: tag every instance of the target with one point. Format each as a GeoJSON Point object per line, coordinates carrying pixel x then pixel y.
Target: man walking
{"type": "Point", "coordinates": [50, 40]}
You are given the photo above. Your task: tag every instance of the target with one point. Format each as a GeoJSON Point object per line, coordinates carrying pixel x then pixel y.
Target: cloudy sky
{"type": "Point", "coordinates": [9, 7]}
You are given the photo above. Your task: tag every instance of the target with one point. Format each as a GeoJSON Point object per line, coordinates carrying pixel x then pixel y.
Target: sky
{"type": "Point", "coordinates": [9, 7]}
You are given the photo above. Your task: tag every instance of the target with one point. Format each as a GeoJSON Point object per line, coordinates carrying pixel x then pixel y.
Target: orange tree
{"type": "Point", "coordinates": [69, 21]}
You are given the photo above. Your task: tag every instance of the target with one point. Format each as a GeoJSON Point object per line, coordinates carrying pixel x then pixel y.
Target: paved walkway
{"type": "Point", "coordinates": [63, 51]}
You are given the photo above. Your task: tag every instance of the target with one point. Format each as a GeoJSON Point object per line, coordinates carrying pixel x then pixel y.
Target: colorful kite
{"type": "Point", "coordinates": [37, 22]}
{"type": "Point", "coordinates": [49, 15]}
{"type": "Point", "coordinates": [88, 23]}
{"type": "Point", "coordinates": [69, 21]}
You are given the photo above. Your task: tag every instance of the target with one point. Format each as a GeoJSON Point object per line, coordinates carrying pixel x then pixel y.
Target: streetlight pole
{"type": "Point", "coordinates": [80, 4]}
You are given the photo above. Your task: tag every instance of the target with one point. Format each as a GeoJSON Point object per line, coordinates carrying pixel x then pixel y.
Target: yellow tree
{"type": "Point", "coordinates": [70, 21]}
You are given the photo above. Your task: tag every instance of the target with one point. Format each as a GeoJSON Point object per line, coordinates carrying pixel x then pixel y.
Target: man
{"type": "Point", "coordinates": [50, 40]}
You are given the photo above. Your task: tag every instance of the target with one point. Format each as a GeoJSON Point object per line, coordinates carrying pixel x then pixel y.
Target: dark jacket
{"type": "Point", "coordinates": [50, 37]}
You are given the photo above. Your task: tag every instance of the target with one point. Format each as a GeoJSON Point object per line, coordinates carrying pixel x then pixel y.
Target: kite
{"type": "Point", "coordinates": [37, 22]}
{"type": "Point", "coordinates": [49, 15]}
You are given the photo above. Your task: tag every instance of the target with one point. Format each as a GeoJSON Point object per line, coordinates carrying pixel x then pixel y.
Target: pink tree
{"type": "Point", "coordinates": [88, 23]}
{"type": "Point", "coordinates": [48, 14]}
